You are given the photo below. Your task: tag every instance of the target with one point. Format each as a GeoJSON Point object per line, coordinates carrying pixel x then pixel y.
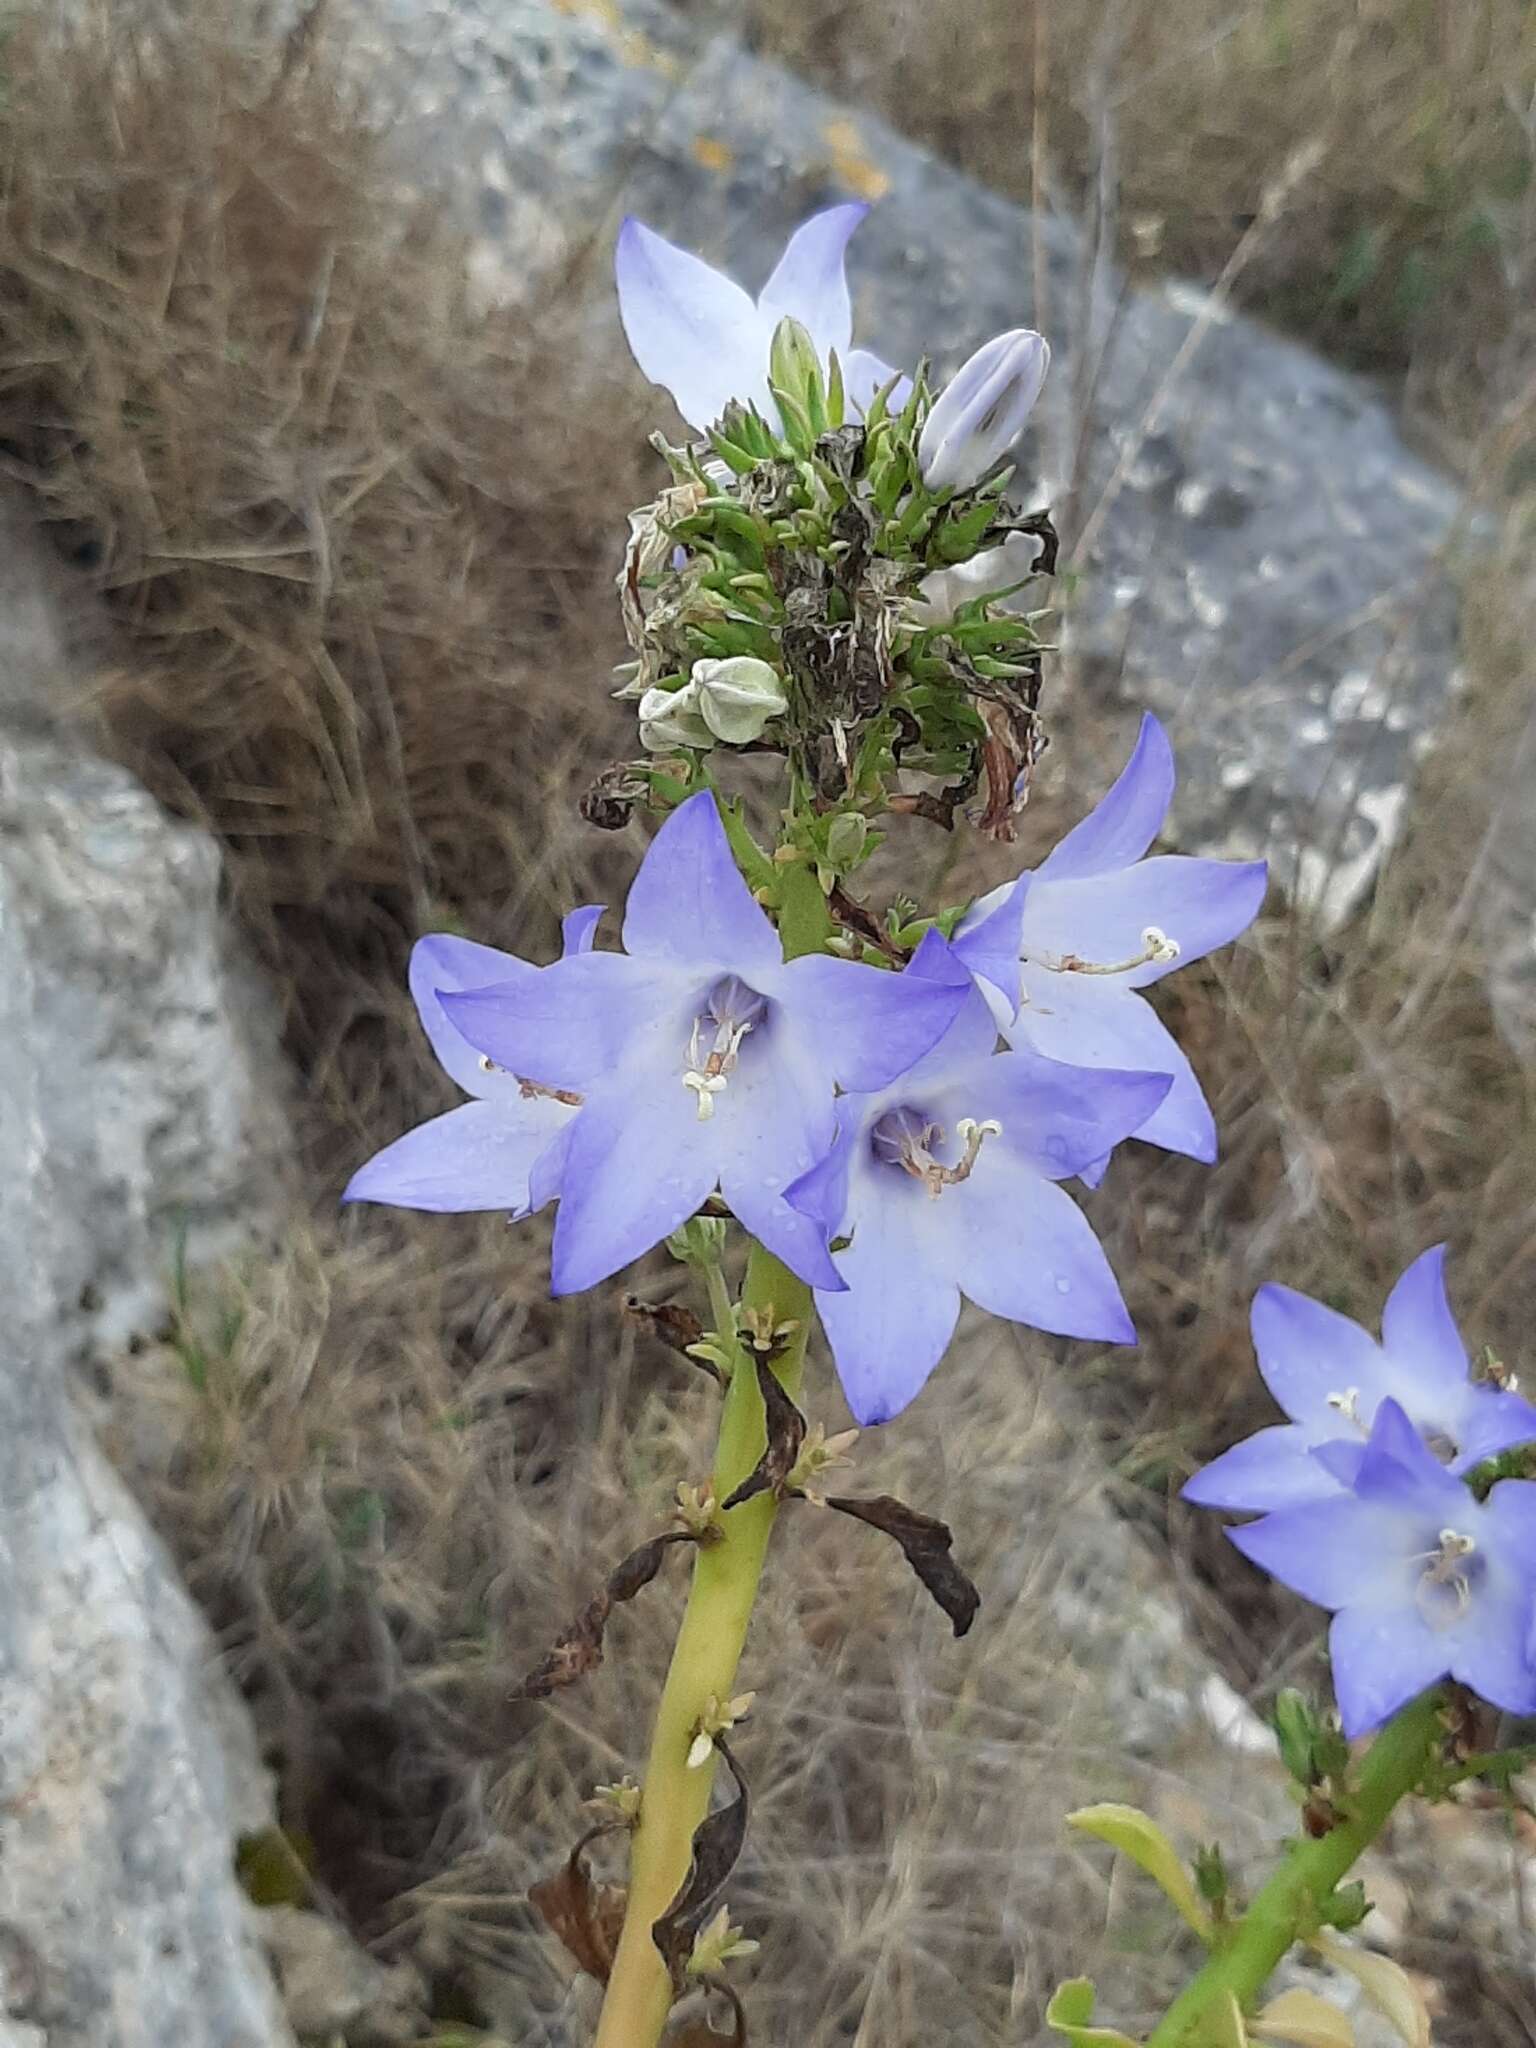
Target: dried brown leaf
{"type": "Point", "coordinates": [674, 1325]}
{"type": "Point", "coordinates": [786, 1433]}
{"type": "Point", "coordinates": [717, 1845]}
{"type": "Point", "coordinates": [587, 1917]}
{"type": "Point", "coordinates": [580, 1649]}
{"type": "Point", "coordinates": [700, 2034]}
{"type": "Point", "coordinates": [926, 1545]}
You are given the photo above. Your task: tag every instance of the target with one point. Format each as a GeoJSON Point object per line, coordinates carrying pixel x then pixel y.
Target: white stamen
{"type": "Point", "coordinates": [1157, 950]}
{"type": "Point", "coordinates": [1348, 1405]}
{"type": "Point", "coordinates": [914, 1154]}
{"type": "Point", "coordinates": [1444, 1568]}
{"type": "Point", "coordinates": [708, 1086]}
{"type": "Point", "coordinates": [707, 1074]}
{"type": "Point", "coordinates": [1159, 946]}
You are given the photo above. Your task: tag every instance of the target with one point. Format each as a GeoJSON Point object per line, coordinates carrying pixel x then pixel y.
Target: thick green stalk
{"type": "Point", "coordinates": [1288, 1906]}
{"type": "Point", "coordinates": [674, 1798]}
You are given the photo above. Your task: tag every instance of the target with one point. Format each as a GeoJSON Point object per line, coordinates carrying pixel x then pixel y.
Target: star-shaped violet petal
{"type": "Point", "coordinates": [1331, 1377]}
{"type": "Point", "coordinates": [480, 1155]}
{"type": "Point", "coordinates": [695, 331]}
{"type": "Point", "coordinates": [705, 1060]}
{"type": "Point", "coordinates": [944, 1184]}
{"type": "Point", "coordinates": [1425, 1581]}
{"type": "Point", "coordinates": [1103, 922]}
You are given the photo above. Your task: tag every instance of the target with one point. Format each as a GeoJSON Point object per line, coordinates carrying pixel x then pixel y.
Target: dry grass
{"type": "Point", "coordinates": [1406, 249]}
{"type": "Point", "coordinates": [356, 575]}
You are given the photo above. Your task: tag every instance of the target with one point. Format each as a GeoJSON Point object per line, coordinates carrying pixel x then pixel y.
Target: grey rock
{"type": "Point", "coordinates": [126, 1093]}
{"type": "Point", "coordinates": [1262, 559]}
{"type": "Point", "coordinates": [1503, 885]}
{"type": "Point", "coordinates": [332, 1990]}
{"type": "Point", "coordinates": [161, 1092]}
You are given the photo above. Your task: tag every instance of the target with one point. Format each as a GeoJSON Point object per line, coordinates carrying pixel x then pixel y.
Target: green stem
{"type": "Point", "coordinates": [1289, 1906]}
{"type": "Point", "coordinates": [704, 1660]}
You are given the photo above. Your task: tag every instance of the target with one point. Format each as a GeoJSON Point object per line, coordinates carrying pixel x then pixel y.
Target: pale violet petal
{"type": "Point", "coordinates": [810, 283]}
{"type": "Point", "coordinates": [575, 1022]}
{"type": "Point", "coordinates": [1382, 1658]}
{"type": "Point", "coordinates": [1273, 1468]}
{"type": "Point", "coordinates": [868, 1026]}
{"type": "Point", "coordinates": [638, 1164]}
{"type": "Point", "coordinates": [688, 903]}
{"type": "Point", "coordinates": [1104, 919]}
{"type": "Point", "coordinates": [893, 1325]}
{"type": "Point", "coordinates": [1021, 1248]}
{"type": "Point", "coordinates": [1088, 1021]}
{"type": "Point", "coordinates": [578, 933]}
{"type": "Point", "coordinates": [1418, 1331]}
{"type": "Point", "coordinates": [690, 328]}
{"type": "Point", "coordinates": [1124, 823]}
{"type": "Point", "coordinates": [1317, 1363]}
{"type": "Point", "coordinates": [478, 1156]}
{"type": "Point", "coordinates": [442, 961]}
{"type": "Point", "coordinates": [864, 374]}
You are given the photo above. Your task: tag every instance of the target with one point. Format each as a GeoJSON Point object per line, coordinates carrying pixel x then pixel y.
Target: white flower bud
{"type": "Point", "coordinates": [671, 718]}
{"type": "Point", "coordinates": [981, 412]}
{"type": "Point", "coordinates": [738, 696]}
{"type": "Point", "coordinates": [942, 591]}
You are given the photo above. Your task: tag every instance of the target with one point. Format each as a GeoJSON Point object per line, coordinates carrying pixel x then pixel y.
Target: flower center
{"type": "Point", "coordinates": [730, 1011]}
{"type": "Point", "coordinates": [906, 1138]}
{"type": "Point", "coordinates": [1347, 1405]}
{"type": "Point", "coordinates": [1157, 950]}
{"type": "Point", "coordinates": [1445, 1584]}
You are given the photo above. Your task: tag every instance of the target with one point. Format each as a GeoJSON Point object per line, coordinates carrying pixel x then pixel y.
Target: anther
{"type": "Point", "coordinates": [1347, 1404]}
{"type": "Point", "coordinates": [733, 1009]}
{"type": "Point", "coordinates": [1445, 1568]}
{"type": "Point", "coordinates": [1157, 950]}
{"type": "Point", "coordinates": [902, 1138]}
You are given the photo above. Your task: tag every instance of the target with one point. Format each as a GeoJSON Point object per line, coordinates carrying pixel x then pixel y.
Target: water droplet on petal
{"type": "Point", "coordinates": [1063, 1286]}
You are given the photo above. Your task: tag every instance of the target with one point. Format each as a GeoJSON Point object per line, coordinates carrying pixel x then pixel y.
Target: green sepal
{"type": "Point", "coordinates": [1070, 2012]}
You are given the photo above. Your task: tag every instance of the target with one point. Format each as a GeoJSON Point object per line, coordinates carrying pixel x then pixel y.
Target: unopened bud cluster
{"type": "Point", "coordinates": [839, 591]}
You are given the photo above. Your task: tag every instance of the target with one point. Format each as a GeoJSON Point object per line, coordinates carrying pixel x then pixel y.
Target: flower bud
{"type": "Point", "coordinates": [796, 380]}
{"type": "Point", "coordinates": [846, 839]}
{"type": "Point", "coordinates": [981, 412]}
{"type": "Point", "coordinates": [943, 591]}
{"type": "Point", "coordinates": [671, 718]}
{"type": "Point", "coordinates": [737, 697]}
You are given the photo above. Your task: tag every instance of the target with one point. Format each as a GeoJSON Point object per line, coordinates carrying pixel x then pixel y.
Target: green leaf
{"type": "Point", "coordinates": [1070, 2012]}
{"type": "Point", "coordinates": [1134, 1834]}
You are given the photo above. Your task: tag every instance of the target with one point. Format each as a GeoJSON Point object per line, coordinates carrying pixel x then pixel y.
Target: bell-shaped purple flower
{"type": "Point", "coordinates": [981, 411]}
{"type": "Point", "coordinates": [944, 1184]}
{"type": "Point", "coordinates": [695, 331]}
{"type": "Point", "coordinates": [1331, 1378]}
{"type": "Point", "coordinates": [480, 1155]}
{"type": "Point", "coordinates": [703, 1059]}
{"type": "Point", "coordinates": [1425, 1581]}
{"type": "Point", "coordinates": [1101, 922]}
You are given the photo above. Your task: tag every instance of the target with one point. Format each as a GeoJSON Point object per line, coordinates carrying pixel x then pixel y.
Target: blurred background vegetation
{"type": "Point", "coordinates": [352, 540]}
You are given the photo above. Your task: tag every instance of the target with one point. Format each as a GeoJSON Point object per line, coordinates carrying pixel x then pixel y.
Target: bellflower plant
{"type": "Point", "coordinates": [1100, 923]}
{"type": "Point", "coordinates": [702, 1058]}
{"type": "Point", "coordinates": [867, 1107]}
{"type": "Point", "coordinates": [1402, 1497]}
{"type": "Point", "coordinates": [944, 1183]}
{"type": "Point", "coordinates": [1425, 1581]}
{"type": "Point", "coordinates": [1331, 1377]}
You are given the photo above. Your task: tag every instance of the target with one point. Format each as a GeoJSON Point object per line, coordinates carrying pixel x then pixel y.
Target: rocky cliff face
{"type": "Point", "coordinates": [139, 1121]}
